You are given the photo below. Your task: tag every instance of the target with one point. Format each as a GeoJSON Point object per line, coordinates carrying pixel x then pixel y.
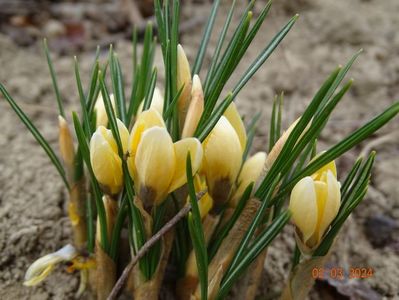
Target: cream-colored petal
{"type": "Point", "coordinates": [67, 148]}
{"type": "Point", "coordinates": [303, 205]}
{"type": "Point", "coordinates": [183, 79]}
{"type": "Point", "coordinates": [222, 154]}
{"type": "Point", "coordinates": [146, 120]}
{"type": "Point", "coordinates": [250, 172]}
{"type": "Point", "coordinates": [195, 109]}
{"type": "Point", "coordinates": [155, 165]}
{"type": "Point", "coordinates": [123, 134]}
{"type": "Point", "coordinates": [106, 164]}
{"type": "Point", "coordinates": [182, 148]}
{"type": "Point", "coordinates": [99, 108]}
{"type": "Point", "coordinates": [157, 102]}
{"type": "Point", "coordinates": [42, 267]}
{"type": "Point", "coordinates": [235, 120]}
{"type": "Point", "coordinates": [332, 203]}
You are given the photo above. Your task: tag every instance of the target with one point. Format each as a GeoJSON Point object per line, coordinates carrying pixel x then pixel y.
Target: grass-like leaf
{"type": "Point", "coordinates": [150, 90]}
{"type": "Point", "coordinates": [36, 134]}
{"type": "Point", "coordinates": [197, 233]}
{"type": "Point", "coordinates": [258, 245]}
{"type": "Point", "coordinates": [218, 49]}
{"type": "Point", "coordinates": [205, 39]}
{"type": "Point", "coordinates": [343, 146]}
{"type": "Point", "coordinates": [54, 79]}
{"type": "Point", "coordinates": [118, 86]}
{"type": "Point", "coordinates": [259, 61]}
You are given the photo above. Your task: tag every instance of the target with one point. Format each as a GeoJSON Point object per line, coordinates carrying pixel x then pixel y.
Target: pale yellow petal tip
{"type": "Point", "coordinates": [61, 121]}
{"type": "Point", "coordinates": [235, 120]}
{"type": "Point", "coordinates": [41, 268]}
{"type": "Point", "coordinates": [195, 109]}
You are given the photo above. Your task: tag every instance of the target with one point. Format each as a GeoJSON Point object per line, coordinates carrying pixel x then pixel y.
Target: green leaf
{"type": "Point", "coordinates": [86, 121]}
{"type": "Point", "coordinates": [351, 176]}
{"type": "Point", "coordinates": [54, 79]}
{"type": "Point", "coordinates": [215, 56]}
{"type": "Point", "coordinates": [259, 244]}
{"type": "Point", "coordinates": [197, 233]}
{"type": "Point", "coordinates": [36, 134]}
{"type": "Point", "coordinates": [296, 133]}
{"type": "Point", "coordinates": [118, 86]}
{"type": "Point", "coordinates": [150, 91]}
{"type": "Point", "coordinates": [202, 132]}
{"type": "Point", "coordinates": [205, 39]}
{"type": "Point", "coordinates": [264, 55]}
{"type": "Point", "coordinates": [222, 73]}
{"type": "Point", "coordinates": [116, 232]}
{"type": "Point", "coordinates": [343, 146]}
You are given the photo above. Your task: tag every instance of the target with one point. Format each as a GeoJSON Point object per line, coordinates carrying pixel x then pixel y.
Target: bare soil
{"type": "Point", "coordinates": [33, 218]}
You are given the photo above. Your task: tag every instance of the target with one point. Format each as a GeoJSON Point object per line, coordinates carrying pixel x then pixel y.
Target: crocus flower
{"type": "Point", "coordinates": [314, 203]}
{"type": "Point", "coordinates": [223, 149]}
{"type": "Point", "coordinates": [105, 159]}
{"type": "Point", "coordinates": [157, 165]}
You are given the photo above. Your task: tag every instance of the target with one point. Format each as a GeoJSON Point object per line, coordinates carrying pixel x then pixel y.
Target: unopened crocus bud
{"type": "Point", "coordinates": [158, 165]}
{"type": "Point", "coordinates": [41, 268]}
{"type": "Point", "coordinates": [250, 172]}
{"type": "Point", "coordinates": [222, 160]}
{"type": "Point", "coordinates": [66, 145]}
{"type": "Point", "coordinates": [101, 113]}
{"type": "Point", "coordinates": [157, 102]}
{"type": "Point", "coordinates": [314, 203]}
{"type": "Point", "coordinates": [105, 159]}
{"type": "Point", "coordinates": [195, 109]}
{"type": "Point", "coordinates": [183, 80]}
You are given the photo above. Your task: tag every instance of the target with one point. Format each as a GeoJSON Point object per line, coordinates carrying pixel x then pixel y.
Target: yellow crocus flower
{"type": "Point", "coordinates": [105, 159]}
{"type": "Point", "coordinates": [101, 113]}
{"type": "Point", "coordinates": [250, 172]}
{"type": "Point", "coordinates": [314, 203]}
{"type": "Point", "coordinates": [222, 160]}
{"type": "Point", "coordinates": [157, 165]}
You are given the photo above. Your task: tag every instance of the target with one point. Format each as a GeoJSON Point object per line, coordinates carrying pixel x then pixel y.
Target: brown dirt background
{"type": "Point", "coordinates": [33, 218]}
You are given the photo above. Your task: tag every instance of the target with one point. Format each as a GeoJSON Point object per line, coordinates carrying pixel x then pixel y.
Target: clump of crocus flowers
{"type": "Point", "coordinates": [163, 191]}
